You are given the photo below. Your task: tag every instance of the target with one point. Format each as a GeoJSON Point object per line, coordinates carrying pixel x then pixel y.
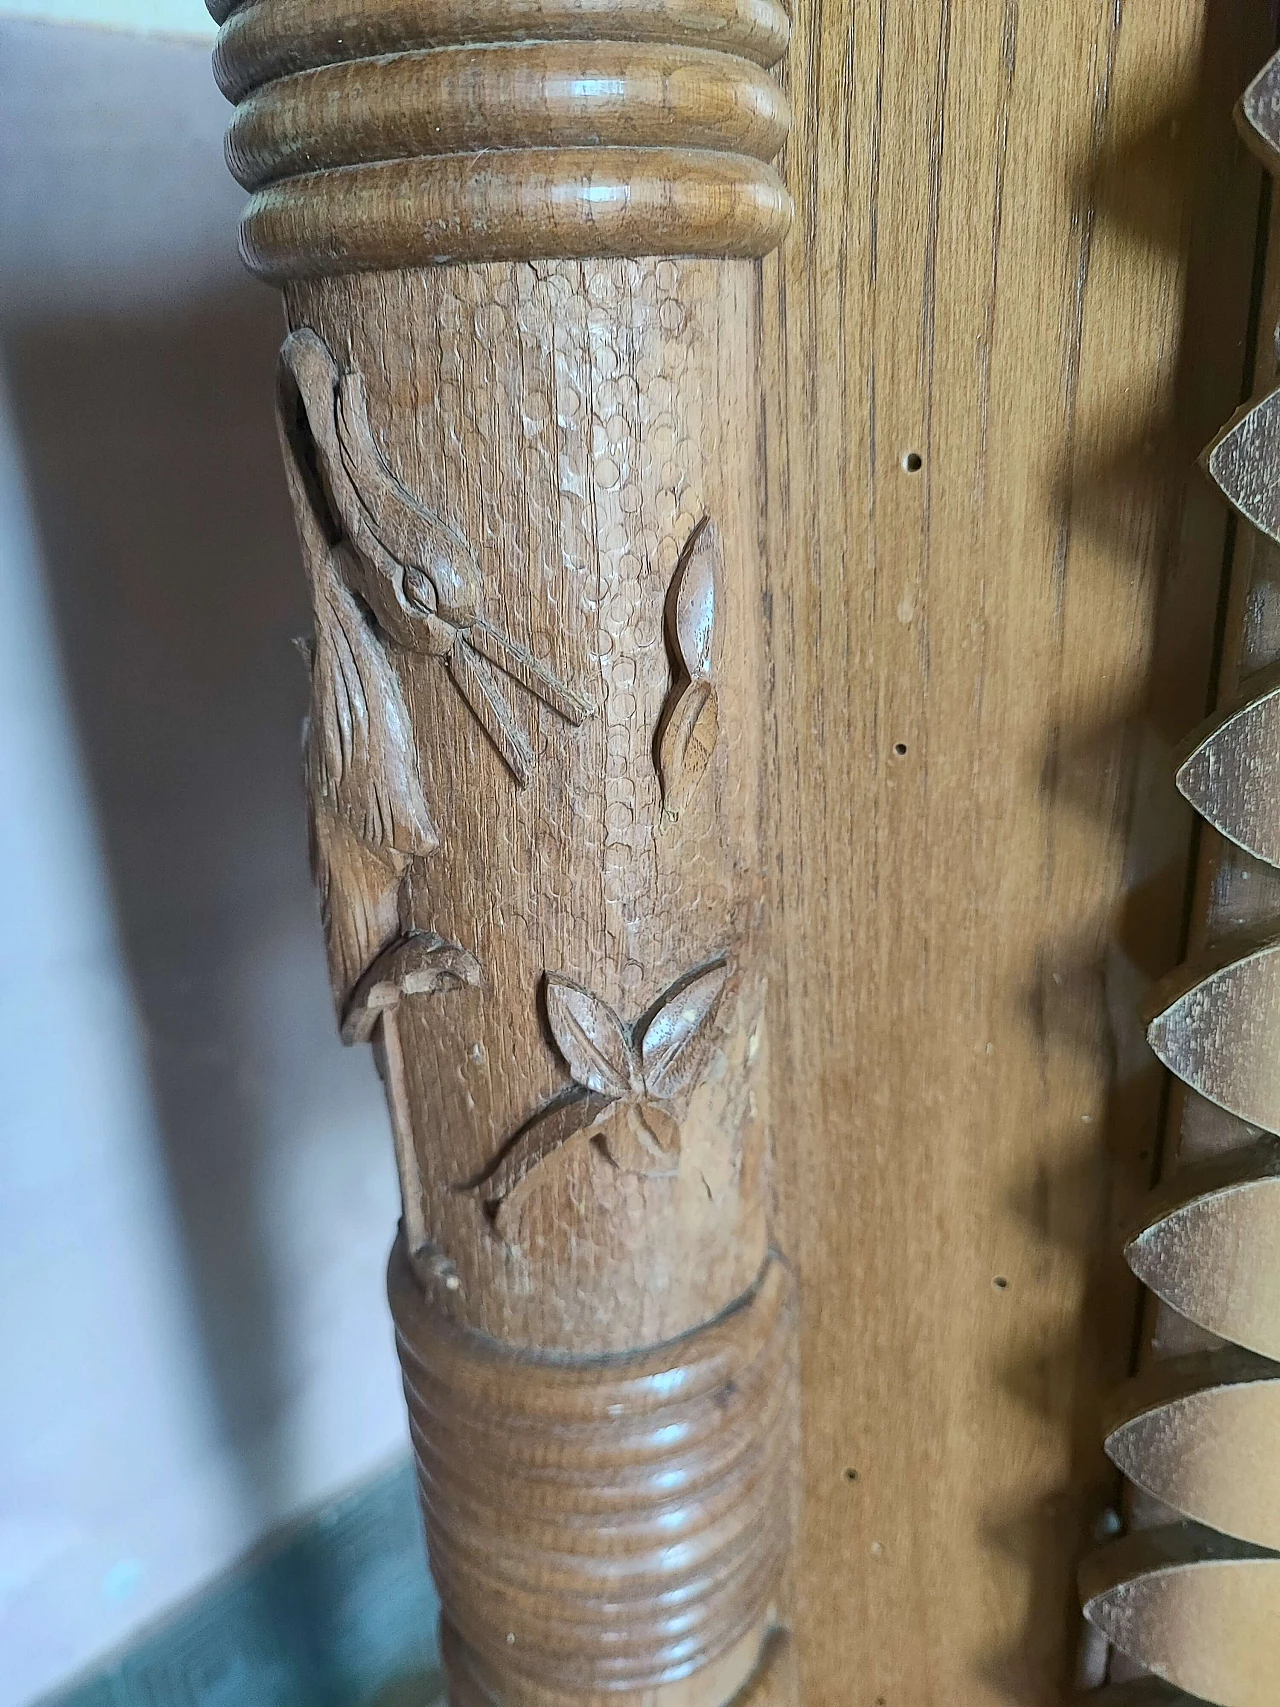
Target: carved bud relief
{"type": "Point", "coordinates": [690, 725]}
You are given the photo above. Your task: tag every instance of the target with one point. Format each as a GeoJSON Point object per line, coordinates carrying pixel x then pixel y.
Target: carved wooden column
{"type": "Point", "coordinates": [521, 425]}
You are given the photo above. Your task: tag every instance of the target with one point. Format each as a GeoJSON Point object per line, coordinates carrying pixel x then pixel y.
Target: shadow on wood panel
{"type": "Point", "coordinates": [1181, 183]}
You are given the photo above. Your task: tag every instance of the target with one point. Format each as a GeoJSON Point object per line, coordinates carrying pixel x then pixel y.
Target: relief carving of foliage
{"type": "Point", "coordinates": [628, 1084]}
{"type": "Point", "coordinates": [690, 723]}
{"type": "Point", "coordinates": [677, 1041]}
{"type": "Point", "coordinates": [595, 1043]}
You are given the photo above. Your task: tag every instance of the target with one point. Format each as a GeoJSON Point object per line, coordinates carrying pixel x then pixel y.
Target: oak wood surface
{"type": "Point", "coordinates": [1013, 309]}
{"type": "Point", "coordinates": [528, 496]}
{"type": "Point", "coordinates": [1012, 312]}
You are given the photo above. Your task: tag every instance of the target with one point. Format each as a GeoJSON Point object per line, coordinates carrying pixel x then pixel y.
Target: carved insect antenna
{"type": "Point", "coordinates": [1198, 1602]}
{"type": "Point", "coordinates": [475, 682]}
{"type": "Point", "coordinates": [524, 668]}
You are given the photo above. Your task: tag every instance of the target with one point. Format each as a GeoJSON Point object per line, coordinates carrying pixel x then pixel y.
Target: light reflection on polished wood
{"type": "Point", "coordinates": [262, 40]}
{"type": "Point", "coordinates": [381, 138]}
{"type": "Point", "coordinates": [518, 95]}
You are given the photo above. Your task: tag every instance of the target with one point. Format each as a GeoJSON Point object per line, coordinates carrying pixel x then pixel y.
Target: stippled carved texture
{"type": "Point", "coordinates": [576, 423]}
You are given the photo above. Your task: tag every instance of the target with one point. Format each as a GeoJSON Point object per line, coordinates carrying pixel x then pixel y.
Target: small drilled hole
{"type": "Point", "coordinates": [851, 1475]}
{"type": "Point", "coordinates": [900, 748]}
{"type": "Point", "coordinates": [913, 462]}
{"type": "Point", "coordinates": [1000, 1283]}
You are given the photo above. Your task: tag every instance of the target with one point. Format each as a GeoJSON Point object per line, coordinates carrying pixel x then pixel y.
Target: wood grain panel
{"type": "Point", "coordinates": [1012, 312]}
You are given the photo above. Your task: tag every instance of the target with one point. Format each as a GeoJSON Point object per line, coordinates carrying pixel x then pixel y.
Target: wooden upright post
{"type": "Point", "coordinates": [520, 412]}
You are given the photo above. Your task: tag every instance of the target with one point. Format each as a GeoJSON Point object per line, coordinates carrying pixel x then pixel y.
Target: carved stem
{"type": "Point", "coordinates": [528, 494]}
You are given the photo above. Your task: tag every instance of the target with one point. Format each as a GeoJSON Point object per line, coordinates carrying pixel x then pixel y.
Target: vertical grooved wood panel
{"type": "Point", "coordinates": [1014, 307]}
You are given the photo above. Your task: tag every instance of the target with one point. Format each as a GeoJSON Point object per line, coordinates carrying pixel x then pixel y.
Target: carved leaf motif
{"type": "Point", "coordinates": [693, 599]}
{"type": "Point", "coordinates": [629, 1108]}
{"type": "Point", "coordinates": [1258, 114]}
{"type": "Point", "coordinates": [593, 1040]}
{"type": "Point", "coordinates": [1229, 775]}
{"type": "Point", "coordinates": [690, 725]}
{"type": "Point", "coordinates": [1242, 459]}
{"type": "Point", "coordinates": [677, 1040]}
{"type": "Point", "coordinates": [689, 736]}
{"type": "Point", "coordinates": [361, 756]}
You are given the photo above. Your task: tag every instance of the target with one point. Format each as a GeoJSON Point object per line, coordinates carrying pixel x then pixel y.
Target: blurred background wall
{"type": "Point", "coordinates": [196, 1182]}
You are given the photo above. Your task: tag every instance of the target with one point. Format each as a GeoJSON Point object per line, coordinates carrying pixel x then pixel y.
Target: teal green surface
{"type": "Point", "coordinates": [338, 1612]}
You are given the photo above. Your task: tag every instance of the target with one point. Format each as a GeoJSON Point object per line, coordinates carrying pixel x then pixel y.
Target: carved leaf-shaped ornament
{"type": "Point", "coordinates": [695, 592]}
{"type": "Point", "coordinates": [1228, 772]}
{"type": "Point", "coordinates": [1258, 114]}
{"type": "Point", "coordinates": [595, 1043]}
{"type": "Point", "coordinates": [1242, 461]}
{"type": "Point", "coordinates": [690, 725]}
{"type": "Point", "coordinates": [630, 1108]}
{"type": "Point", "coordinates": [361, 755]}
{"type": "Point", "coordinates": [678, 1039]}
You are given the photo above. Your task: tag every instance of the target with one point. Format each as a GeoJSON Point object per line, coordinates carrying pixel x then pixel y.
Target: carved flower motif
{"type": "Point", "coordinates": [630, 1081]}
